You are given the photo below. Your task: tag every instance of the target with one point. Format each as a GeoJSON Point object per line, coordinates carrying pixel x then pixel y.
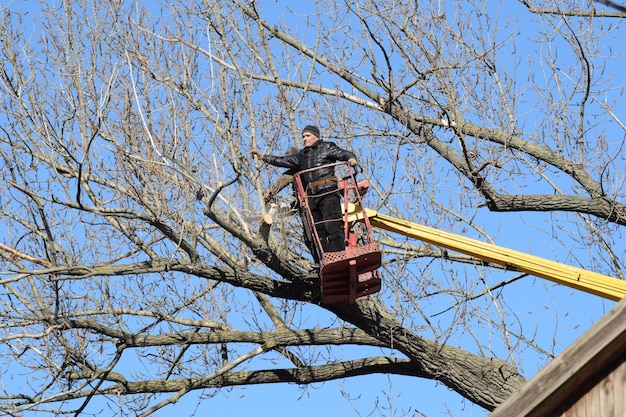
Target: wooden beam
{"type": "Point", "coordinates": [595, 354]}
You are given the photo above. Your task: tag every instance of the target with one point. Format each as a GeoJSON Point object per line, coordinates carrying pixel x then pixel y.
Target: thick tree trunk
{"type": "Point", "coordinates": [484, 381]}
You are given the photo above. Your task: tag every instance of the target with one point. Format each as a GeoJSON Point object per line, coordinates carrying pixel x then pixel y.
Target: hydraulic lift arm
{"type": "Point", "coordinates": [578, 278]}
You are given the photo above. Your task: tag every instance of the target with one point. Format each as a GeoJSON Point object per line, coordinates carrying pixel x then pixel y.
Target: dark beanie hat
{"type": "Point", "coordinates": [312, 129]}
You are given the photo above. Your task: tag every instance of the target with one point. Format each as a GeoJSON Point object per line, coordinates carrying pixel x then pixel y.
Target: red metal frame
{"type": "Point", "coordinates": [353, 272]}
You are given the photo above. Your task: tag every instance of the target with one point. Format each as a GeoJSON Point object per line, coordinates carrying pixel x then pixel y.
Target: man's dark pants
{"type": "Point", "coordinates": [326, 211]}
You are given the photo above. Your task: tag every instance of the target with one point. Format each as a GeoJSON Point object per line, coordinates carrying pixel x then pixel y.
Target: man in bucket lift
{"type": "Point", "coordinates": [325, 205]}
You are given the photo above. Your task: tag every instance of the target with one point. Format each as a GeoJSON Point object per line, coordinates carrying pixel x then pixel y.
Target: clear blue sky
{"type": "Point", "coordinates": [396, 395]}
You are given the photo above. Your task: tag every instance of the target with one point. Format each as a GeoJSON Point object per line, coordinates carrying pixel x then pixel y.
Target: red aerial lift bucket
{"type": "Point", "coordinates": [353, 272]}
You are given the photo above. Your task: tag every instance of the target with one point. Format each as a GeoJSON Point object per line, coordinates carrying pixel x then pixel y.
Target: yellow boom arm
{"type": "Point", "coordinates": [578, 278]}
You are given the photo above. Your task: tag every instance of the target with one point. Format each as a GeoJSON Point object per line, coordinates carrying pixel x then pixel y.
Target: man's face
{"type": "Point", "coordinates": [309, 139]}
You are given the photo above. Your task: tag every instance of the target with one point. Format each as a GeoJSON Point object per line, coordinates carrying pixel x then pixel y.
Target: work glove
{"type": "Point", "coordinates": [353, 162]}
{"type": "Point", "coordinates": [268, 198]}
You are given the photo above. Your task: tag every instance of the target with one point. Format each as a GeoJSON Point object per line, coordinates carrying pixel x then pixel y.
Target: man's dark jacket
{"type": "Point", "coordinates": [321, 153]}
